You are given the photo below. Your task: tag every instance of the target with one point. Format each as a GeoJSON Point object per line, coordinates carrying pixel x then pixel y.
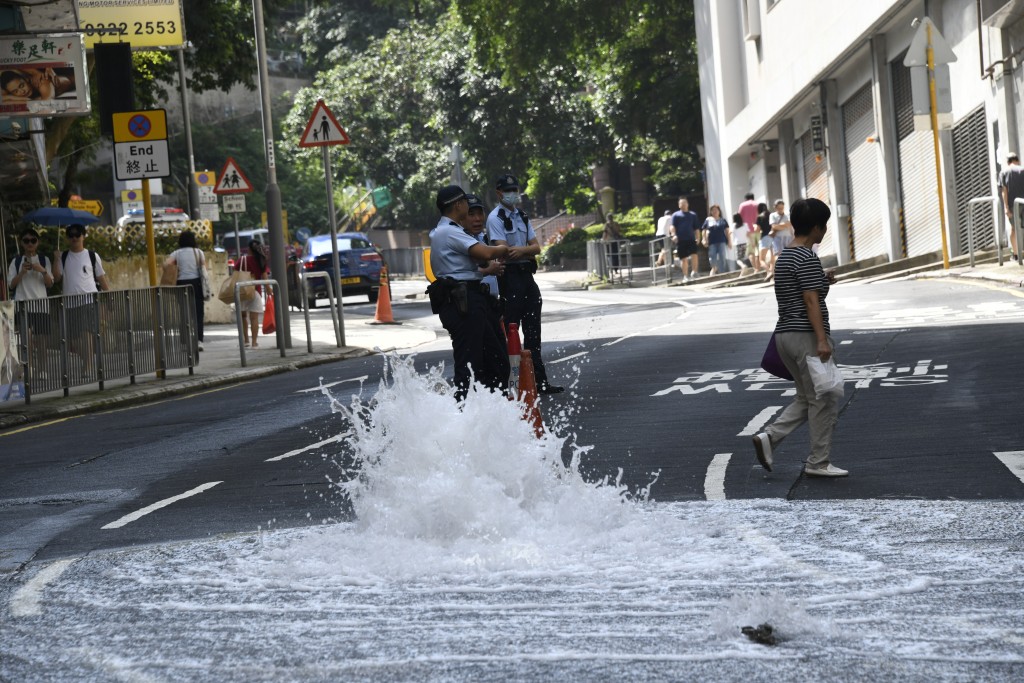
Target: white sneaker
{"type": "Point", "coordinates": [200, 345]}
{"type": "Point", "coordinates": [763, 450]}
{"type": "Point", "coordinates": [829, 470]}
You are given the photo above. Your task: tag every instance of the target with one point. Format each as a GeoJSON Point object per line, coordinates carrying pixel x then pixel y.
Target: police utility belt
{"type": "Point", "coordinates": [445, 290]}
{"type": "Point", "coordinates": [526, 267]}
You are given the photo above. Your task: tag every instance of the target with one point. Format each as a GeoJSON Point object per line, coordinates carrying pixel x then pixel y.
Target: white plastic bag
{"type": "Point", "coordinates": [827, 377]}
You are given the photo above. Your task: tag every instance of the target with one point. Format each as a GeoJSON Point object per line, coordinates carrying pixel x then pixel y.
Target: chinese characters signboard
{"type": "Point", "coordinates": [43, 75]}
{"type": "Point", "coordinates": [142, 23]}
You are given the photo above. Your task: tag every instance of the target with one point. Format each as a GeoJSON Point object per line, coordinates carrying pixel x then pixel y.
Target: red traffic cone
{"type": "Point", "coordinates": [383, 315]}
{"type": "Point", "coordinates": [514, 349]}
{"type": "Point", "coordinates": [528, 393]}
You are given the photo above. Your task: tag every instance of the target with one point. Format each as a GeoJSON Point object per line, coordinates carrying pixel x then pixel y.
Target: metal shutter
{"type": "Point", "coordinates": [862, 173]}
{"type": "Point", "coordinates": [970, 161]}
{"type": "Point", "coordinates": [816, 185]}
{"type": "Point", "coordinates": [918, 187]}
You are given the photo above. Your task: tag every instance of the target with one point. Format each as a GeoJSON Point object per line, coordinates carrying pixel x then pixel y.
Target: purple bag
{"type": "Point", "coordinates": [771, 361]}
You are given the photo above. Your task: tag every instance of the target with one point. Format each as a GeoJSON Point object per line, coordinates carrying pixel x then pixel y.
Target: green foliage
{"type": "Point", "coordinates": [637, 223]}
{"type": "Point", "coordinates": [573, 245]}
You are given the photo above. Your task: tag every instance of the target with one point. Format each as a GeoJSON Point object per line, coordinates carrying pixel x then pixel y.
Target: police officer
{"type": "Point", "coordinates": [462, 301]}
{"type": "Point", "coordinates": [508, 225]}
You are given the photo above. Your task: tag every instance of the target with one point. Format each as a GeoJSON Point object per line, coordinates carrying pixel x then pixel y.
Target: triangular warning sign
{"type": "Point", "coordinates": [231, 179]}
{"type": "Point", "coordinates": [323, 129]}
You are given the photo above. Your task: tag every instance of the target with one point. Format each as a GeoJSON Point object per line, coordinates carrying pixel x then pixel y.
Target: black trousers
{"type": "Point", "coordinates": [523, 306]}
{"type": "Point", "coordinates": [197, 292]}
{"type": "Point", "coordinates": [478, 343]}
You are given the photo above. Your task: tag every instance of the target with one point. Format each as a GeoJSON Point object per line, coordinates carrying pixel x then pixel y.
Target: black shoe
{"type": "Point", "coordinates": [546, 388]}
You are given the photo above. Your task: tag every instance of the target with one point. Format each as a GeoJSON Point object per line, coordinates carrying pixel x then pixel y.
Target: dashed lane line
{"type": "Point", "coordinates": [562, 360]}
{"type": "Point", "coordinates": [1014, 461]}
{"type": "Point", "coordinates": [637, 334]}
{"type": "Point", "coordinates": [759, 421]}
{"type": "Point", "coordinates": [714, 479]}
{"type": "Point", "coordinates": [331, 384]}
{"type": "Point", "coordinates": [310, 447]}
{"type": "Point", "coordinates": [138, 514]}
{"type": "Point", "coordinates": [25, 601]}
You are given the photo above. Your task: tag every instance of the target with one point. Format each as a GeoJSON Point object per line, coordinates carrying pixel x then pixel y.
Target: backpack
{"type": "Point", "coordinates": [92, 260]}
{"type": "Point", "coordinates": [19, 259]}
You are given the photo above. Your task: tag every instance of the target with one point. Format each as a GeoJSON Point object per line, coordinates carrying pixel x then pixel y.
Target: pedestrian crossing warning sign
{"type": "Point", "coordinates": [231, 179]}
{"type": "Point", "coordinates": [323, 129]}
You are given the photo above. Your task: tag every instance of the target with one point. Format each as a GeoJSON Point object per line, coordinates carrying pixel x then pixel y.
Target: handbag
{"type": "Point", "coordinates": [169, 276]}
{"type": "Point", "coordinates": [204, 277]}
{"type": "Point", "coordinates": [227, 288]}
{"type": "Point", "coordinates": [771, 361]}
{"type": "Point", "coordinates": [826, 376]}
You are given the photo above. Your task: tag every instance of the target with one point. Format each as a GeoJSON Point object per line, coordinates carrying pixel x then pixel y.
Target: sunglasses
{"type": "Point", "coordinates": [29, 240]}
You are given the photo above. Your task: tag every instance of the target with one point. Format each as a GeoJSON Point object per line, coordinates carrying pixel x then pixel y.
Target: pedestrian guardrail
{"type": "Point", "coordinates": [655, 248]}
{"type": "Point", "coordinates": [339, 332]}
{"type": "Point", "coordinates": [78, 339]}
{"type": "Point", "coordinates": [618, 260]}
{"type": "Point", "coordinates": [977, 201]}
{"type": "Point", "coordinates": [278, 332]}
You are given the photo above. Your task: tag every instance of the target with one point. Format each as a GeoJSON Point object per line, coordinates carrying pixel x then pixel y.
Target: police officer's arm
{"type": "Point", "coordinates": [482, 252]}
{"type": "Point", "coordinates": [532, 248]}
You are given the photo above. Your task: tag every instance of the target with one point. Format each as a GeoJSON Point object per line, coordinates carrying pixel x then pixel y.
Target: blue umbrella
{"type": "Point", "coordinates": [58, 215]}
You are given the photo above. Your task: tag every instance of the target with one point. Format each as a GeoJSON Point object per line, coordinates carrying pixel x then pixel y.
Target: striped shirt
{"type": "Point", "coordinates": [798, 270]}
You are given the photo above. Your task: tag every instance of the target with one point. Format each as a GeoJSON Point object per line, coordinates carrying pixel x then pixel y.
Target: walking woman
{"type": "Point", "coordinates": [801, 286]}
{"type": "Point", "coordinates": [254, 262]}
{"type": "Point", "coordinates": [717, 238]}
{"type": "Point", "coordinates": [191, 262]}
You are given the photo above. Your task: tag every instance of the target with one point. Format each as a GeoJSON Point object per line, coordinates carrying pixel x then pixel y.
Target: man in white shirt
{"type": "Point", "coordinates": [662, 231]}
{"type": "Point", "coordinates": [83, 276]}
{"type": "Point", "coordinates": [30, 274]}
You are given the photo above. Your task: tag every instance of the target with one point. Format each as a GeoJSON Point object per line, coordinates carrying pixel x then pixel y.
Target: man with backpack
{"type": "Point", "coordinates": [29, 275]}
{"type": "Point", "coordinates": [83, 276]}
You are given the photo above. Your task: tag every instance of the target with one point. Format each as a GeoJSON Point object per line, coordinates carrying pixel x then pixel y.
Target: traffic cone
{"type": "Point", "coordinates": [514, 351]}
{"type": "Point", "coordinates": [383, 315]}
{"type": "Point", "coordinates": [528, 394]}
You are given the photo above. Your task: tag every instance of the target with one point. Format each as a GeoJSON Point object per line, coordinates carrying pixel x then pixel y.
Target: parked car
{"type": "Point", "coordinates": [360, 262]}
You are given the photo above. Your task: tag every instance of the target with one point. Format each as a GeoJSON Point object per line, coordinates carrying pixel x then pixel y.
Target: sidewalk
{"type": "Point", "coordinates": [220, 364]}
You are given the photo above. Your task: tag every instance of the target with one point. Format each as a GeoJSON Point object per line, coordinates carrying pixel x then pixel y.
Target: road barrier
{"type": "Point", "coordinates": [339, 331]}
{"type": "Point", "coordinates": [78, 339]}
{"type": "Point", "coordinates": [278, 332]}
{"type": "Point", "coordinates": [655, 248]}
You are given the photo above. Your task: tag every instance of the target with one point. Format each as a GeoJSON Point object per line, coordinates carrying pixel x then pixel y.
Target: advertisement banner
{"type": "Point", "coordinates": [43, 75]}
{"type": "Point", "coordinates": [142, 23]}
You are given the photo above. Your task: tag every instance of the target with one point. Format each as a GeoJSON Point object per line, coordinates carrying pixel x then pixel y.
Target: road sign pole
{"type": "Point", "coordinates": [147, 207]}
{"type": "Point", "coordinates": [193, 188]}
{"type": "Point", "coordinates": [933, 108]}
{"type": "Point", "coordinates": [335, 261]}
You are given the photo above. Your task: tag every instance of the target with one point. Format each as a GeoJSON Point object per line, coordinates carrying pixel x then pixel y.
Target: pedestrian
{"type": "Point", "coordinates": [748, 210]}
{"type": "Point", "coordinates": [661, 232]}
{"type": "Point", "coordinates": [743, 261]}
{"type": "Point", "coordinates": [611, 235]}
{"type": "Point", "coordinates": [82, 275]}
{"type": "Point", "coordinates": [1011, 186]}
{"type": "Point", "coordinates": [29, 275]}
{"type": "Point", "coordinates": [191, 263]}
{"type": "Point", "coordinates": [508, 226]}
{"type": "Point", "coordinates": [801, 285]}
{"type": "Point", "coordinates": [765, 241]}
{"type": "Point", "coordinates": [492, 268]}
{"type": "Point", "coordinates": [781, 231]}
{"type": "Point", "coordinates": [459, 297]}
{"type": "Point", "coordinates": [684, 235]}
{"type": "Point", "coordinates": [717, 237]}
{"type": "Point", "coordinates": [254, 262]}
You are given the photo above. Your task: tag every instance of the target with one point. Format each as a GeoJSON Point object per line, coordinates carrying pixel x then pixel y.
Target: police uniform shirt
{"type": "Point", "coordinates": [522, 231]}
{"type": "Point", "coordinates": [490, 280]}
{"type": "Point", "coordinates": [449, 251]}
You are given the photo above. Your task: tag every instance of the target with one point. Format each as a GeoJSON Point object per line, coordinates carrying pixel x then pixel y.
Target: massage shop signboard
{"type": "Point", "coordinates": [144, 24]}
{"type": "Point", "coordinates": [43, 75]}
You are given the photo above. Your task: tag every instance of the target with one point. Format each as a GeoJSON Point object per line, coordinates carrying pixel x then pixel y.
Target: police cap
{"type": "Point", "coordinates": [474, 201]}
{"type": "Point", "coordinates": [506, 181]}
{"type": "Point", "coordinates": [448, 195]}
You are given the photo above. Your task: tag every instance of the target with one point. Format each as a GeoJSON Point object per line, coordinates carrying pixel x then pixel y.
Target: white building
{"type": "Point", "coordinates": [772, 70]}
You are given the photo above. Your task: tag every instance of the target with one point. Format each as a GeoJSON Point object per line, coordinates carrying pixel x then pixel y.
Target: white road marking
{"type": "Point", "coordinates": [1014, 461]}
{"type": "Point", "coordinates": [760, 420]}
{"type": "Point", "coordinates": [331, 384]}
{"type": "Point", "coordinates": [310, 447]}
{"type": "Point", "coordinates": [138, 514]}
{"type": "Point", "coordinates": [714, 480]}
{"type": "Point", "coordinates": [637, 334]}
{"type": "Point", "coordinates": [562, 360]}
{"type": "Point", "coordinates": [25, 602]}
{"type": "Point", "coordinates": [845, 341]}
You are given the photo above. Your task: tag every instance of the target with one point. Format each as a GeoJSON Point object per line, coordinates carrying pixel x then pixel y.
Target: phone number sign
{"type": "Point", "coordinates": [142, 23]}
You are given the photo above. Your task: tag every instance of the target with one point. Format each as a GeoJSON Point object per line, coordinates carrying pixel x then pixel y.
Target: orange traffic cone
{"type": "Point", "coordinates": [514, 351]}
{"type": "Point", "coordinates": [528, 393]}
{"type": "Point", "coordinates": [383, 316]}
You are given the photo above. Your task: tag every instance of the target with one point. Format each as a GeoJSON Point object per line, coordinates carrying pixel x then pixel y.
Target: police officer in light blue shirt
{"type": "Point", "coordinates": [508, 225]}
{"type": "Point", "coordinates": [462, 301]}
{"type": "Point", "coordinates": [475, 227]}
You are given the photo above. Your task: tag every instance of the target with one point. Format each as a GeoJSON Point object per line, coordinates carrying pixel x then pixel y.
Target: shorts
{"type": "Point", "coordinates": [686, 248]}
{"type": "Point", "coordinates": [81, 320]}
{"type": "Point", "coordinates": [253, 305]}
{"type": "Point", "coordinates": [781, 242]}
{"type": "Point", "coordinates": [753, 238]}
{"type": "Point", "coordinates": [767, 242]}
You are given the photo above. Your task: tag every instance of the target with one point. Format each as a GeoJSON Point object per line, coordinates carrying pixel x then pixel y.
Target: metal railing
{"type": "Point", "coordinates": [655, 248]}
{"type": "Point", "coordinates": [78, 339]}
{"type": "Point", "coordinates": [278, 332]}
{"type": "Point", "coordinates": [996, 215]}
{"type": "Point", "coordinates": [610, 260]}
{"type": "Point", "coordinates": [339, 332]}
{"type": "Point", "coordinates": [1017, 205]}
